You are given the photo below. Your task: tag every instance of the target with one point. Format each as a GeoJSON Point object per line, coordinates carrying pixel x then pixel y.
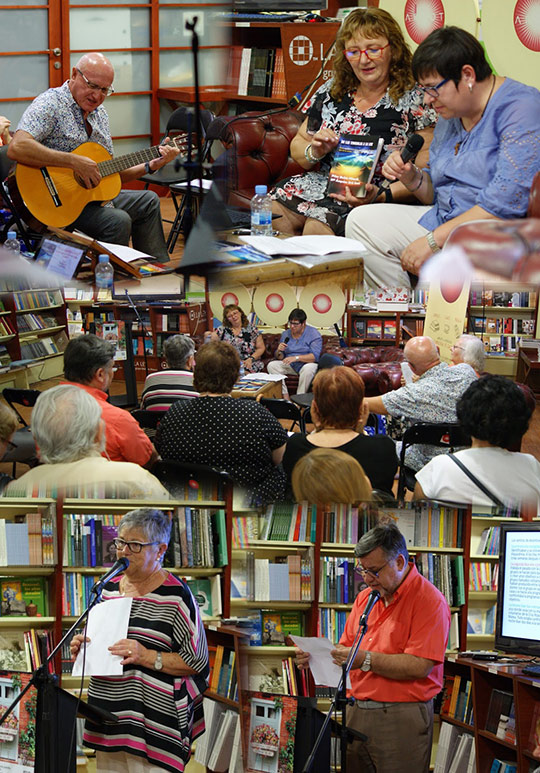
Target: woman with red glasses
{"type": "Point", "coordinates": [371, 93]}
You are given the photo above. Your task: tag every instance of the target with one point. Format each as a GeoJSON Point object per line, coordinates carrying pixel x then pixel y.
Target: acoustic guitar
{"type": "Point", "coordinates": [55, 197]}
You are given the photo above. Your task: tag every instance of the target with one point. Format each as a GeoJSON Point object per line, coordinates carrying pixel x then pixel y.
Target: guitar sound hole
{"type": "Point", "coordinates": [81, 182]}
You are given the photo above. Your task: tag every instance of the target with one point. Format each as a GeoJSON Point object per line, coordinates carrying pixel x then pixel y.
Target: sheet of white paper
{"type": "Point", "coordinates": [262, 377]}
{"type": "Point", "coordinates": [322, 666]}
{"type": "Point", "coordinates": [127, 254]}
{"type": "Point", "coordinates": [303, 245]}
{"type": "Point", "coordinates": [106, 625]}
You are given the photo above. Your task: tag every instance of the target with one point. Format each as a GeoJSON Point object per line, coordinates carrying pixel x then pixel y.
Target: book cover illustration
{"type": "Point", "coordinates": [18, 733]}
{"type": "Point", "coordinates": [269, 725]}
{"type": "Point", "coordinates": [354, 164]}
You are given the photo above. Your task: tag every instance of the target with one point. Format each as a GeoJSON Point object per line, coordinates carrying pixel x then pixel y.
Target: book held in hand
{"type": "Point", "coordinates": [354, 164]}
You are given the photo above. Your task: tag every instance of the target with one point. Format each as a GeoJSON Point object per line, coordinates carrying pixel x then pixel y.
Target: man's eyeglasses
{"type": "Point", "coordinates": [105, 90]}
{"type": "Point", "coordinates": [375, 52]}
{"type": "Point", "coordinates": [134, 547]}
{"type": "Point", "coordinates": [371, 572]}
{"type": "Point", "coordinates": [295, 323]}
{"type": "Point", "coordinates": [433, 91]}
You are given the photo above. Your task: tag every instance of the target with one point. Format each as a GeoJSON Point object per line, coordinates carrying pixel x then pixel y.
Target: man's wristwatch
{"type": "Point", "coordinates": [366, 665]}
{"type": "Point", "coordinates": [158, 662]}
{"type": "Point", "coordinates": [147, 168]}
{"type": "Point", "coordinates": [432, 243]}
{"type": "Point", "coordinates": [296, 358]}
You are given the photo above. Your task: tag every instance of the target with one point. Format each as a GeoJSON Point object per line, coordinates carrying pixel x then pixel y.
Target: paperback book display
{"type": "Point", "coordinates": [354, 164]}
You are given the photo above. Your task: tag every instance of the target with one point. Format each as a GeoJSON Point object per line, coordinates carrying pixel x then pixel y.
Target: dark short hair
{"type": "Point", "coordinates": [386, 536]}
{"type": "Point", "coordinates": [445, 51]}
{"type": "Point", "coordinates": [84, 355]}
{"type": "Point", "coordinates": [298, 314]}
{"type": "Point", "coordinates": [232, 307]}
{"type": "Point", "coordinates": [217, 368]}
{"type": "Point", "coordinates": [493, 408]}
{"type": "Point", "coordinates": [338, 393]}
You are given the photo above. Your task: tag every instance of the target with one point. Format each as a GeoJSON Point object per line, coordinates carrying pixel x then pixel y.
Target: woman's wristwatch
{"type": "Point", "coordinates": [158, 662]}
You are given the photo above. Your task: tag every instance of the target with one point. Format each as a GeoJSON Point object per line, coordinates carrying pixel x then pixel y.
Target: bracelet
{"type": "Point", "coordinates": [147, 168]}
{"type": "Point", "coordinates": [432, 243]}
{"type": "Point", "coordinates": [308, 153]}
{"type": "Point", "coordinates": [412, 190]}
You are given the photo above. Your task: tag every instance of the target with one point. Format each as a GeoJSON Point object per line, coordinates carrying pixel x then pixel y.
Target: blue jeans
{"type": "Point", "coordinates": [134, 214]}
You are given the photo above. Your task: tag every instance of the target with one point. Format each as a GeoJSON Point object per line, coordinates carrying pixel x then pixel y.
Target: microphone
{"type": "Point", "coordinates": [340, 337]}
{"type": "Point", "coordinates": [120, 566]}
{"type": "Point", "coordinates": [286, 339]}
{"type": "Point", "coordinates": [374, 596]}
{"type": "Point", "coordinates": [410, 151]}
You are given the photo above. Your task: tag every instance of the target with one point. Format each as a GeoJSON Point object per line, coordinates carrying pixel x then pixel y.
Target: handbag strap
{"type": "Point", "coordinates": [475, 480]}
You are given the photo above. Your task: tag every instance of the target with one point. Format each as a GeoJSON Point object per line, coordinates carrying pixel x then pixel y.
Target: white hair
{"type": "Point", "coordinates": [473, 352]}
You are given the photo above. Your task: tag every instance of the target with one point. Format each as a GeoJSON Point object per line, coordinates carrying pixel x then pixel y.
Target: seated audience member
{"type": "Point", "coordinates": [5, 136]}
{"type": "Point", "coordinates": [70, 436]}
{"type": "Point", "coordinates": [432, 398]}
{"type": "Point", "coordinates": [298, 351]}
{"type": "Point", "coordinates": [339, 415]}
{"type": "Point", "coordinates": [327, 475]}
{"type": "Point", "coordinates": [494, 412]}
{"type": "Point", "coordinates": [164, 387]}
{"type": "Point", "coordinates": [484, 155]}
{"type": "Point", "coordinates": [246, 338]}
{"type": "Point", "coordinates": [239, 436]}
{"type": "Point", "coordinates": [9, 425]}
{"type": "Point", "coordinates": [469, 349]}
{"type": "Point", "coordinates": [89, 365]}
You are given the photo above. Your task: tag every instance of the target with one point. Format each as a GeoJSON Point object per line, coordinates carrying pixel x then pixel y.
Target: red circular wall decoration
{"type": "Point", "coordinates": [228, 298]}
{"type": "Point", "coordinates": [422, 17]}
{"type": "Point", "coordinates": [527, 23]}
{"type": "Point", "coordinates": [274, 302]}
{"type": "Point", "coordinates": [322, 303]}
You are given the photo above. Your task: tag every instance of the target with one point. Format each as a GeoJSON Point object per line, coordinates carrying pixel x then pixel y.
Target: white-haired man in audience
{"type": "Point", "coordinates": [70, 436]}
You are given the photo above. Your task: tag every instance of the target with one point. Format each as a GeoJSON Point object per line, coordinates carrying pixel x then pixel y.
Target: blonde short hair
{"type": "Point", "coordinates": [326, 475]}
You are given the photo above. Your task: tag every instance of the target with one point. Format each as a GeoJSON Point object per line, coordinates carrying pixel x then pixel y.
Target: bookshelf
{"type": "Point", "coordinates": [492, 690]}
{"type": "Point", "coordinates": [160, 320]}
{"type": "Point", "coordinates": [376, 328]}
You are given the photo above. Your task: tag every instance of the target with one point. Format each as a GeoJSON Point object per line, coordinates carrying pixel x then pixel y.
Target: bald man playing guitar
{"type": "Point", "coordinates": [66, 175]}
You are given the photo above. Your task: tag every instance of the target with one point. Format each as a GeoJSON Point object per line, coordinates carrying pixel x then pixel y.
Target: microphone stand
{"type": "Point", "coordinates": [142, 327]}
{"type": "Point", "coordinates": [341, 701]}
{"type": "Point", "coordinates": [41, 679]}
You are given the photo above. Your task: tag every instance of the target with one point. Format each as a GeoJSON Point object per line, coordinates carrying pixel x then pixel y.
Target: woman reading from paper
{"type": "Point", "coordinates": [158, 698]}
{"type": "Point", "coordinates": [371, 93]}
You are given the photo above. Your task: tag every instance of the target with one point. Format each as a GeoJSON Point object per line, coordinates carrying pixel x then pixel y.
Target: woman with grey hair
{"type": "Point", "coordinates": [70, 437]}
{"type": "Point", "coordinates": [164, 387]}
{"type": "Point", "coordinates": [470, 350]}
{"type": "Point", "coordinates": [158, 698]}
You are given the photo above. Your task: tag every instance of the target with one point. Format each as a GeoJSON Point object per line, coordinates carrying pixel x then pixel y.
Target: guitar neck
{"type": "Point", "coordinates": [120, 163]}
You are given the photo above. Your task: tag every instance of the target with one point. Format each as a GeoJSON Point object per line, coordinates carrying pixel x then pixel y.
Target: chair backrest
{"type": "Point", "coordinates": [448, 435]}
{"type": "Point", "coordinates": [24, 397]}
{"type": "Point", "coordinates": [181, 124]}
{"type": "Point", "coordinates": [148, 420]}
{"type": "Point", "coordinates": [257, 151]}
{"type": "Point", "coordinates": [179, 477]}
{"type": "Point", "coordinates": [283, 409]}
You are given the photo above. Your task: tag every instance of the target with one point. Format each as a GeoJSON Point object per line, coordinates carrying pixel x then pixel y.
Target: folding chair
{"type": "Point", "coordinates": [175, 476]}
{"type": "Point", "coordinates": [284, 409]}
{"type": "Point", "coordinates": [148, 421]}
{"type": "Point", "coordinates": [25, 448]}
{"type": "Point", "coordinates": [6, 165]}
{"type": "Point", "coordinates": [449, 435]}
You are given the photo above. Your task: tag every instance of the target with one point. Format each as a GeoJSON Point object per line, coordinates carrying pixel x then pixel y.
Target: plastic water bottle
{"type": "Point", "coordinates": [12, 243]}
{"type": "Point", "coordinates": [104, 274]}
{"type": "Point", "coordinates": [261, 212]}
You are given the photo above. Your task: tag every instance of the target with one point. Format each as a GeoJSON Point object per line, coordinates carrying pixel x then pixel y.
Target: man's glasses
{"type": "Point", "coordinates": [370, 572]}
{"type": "Point", "coordinates": [433, 91]}
{"type": "Point", "coordinates": [105, 90]}
{"type": "Point", "coordinates": [295, 323]}
{"type": "Point", "coordinates": [134, 547]}
{"type": "Point", "coordinates": [375, 52]}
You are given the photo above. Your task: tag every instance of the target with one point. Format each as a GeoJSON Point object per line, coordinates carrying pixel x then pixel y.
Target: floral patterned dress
{"type": "Point", "coordinates": [306, 193]}
{"type": "Point", "coordinates": [245, 344]}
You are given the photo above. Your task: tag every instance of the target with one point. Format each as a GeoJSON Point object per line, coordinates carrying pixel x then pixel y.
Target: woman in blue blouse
{"type": "Point", "coordinates": [484, 154]}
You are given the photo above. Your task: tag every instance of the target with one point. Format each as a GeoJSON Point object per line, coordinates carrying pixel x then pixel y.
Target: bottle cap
{"type": "Point", "coordinates": [12, 235]}
{"type": "Point", "coordinates": [261, 190]}
{"type": "Point", "coordinates": [103, 258]}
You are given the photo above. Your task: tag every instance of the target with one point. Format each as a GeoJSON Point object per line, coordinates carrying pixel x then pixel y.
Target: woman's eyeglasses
{"type": "Point", "coordinates": [433, 91]}
{"type": "Point", "coordinates": [134, 547]}
{"type": "Point", "coordinates": [375, 52]}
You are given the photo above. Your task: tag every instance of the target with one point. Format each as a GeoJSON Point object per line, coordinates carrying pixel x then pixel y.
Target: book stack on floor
{"type": "Point", "coordinates": [219, 748]}
{"type": "Point", "coordinates": [455, 751]}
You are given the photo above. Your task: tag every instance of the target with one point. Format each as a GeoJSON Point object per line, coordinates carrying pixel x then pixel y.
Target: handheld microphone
{"type": "Point", "coordinates": [340, 337]}
{"type": "Point", "coordinates": [286, 339]}
{"type": "Point", "coordinates": [374, 596]}
{"type": "Point", "coordinates": [120, 566]}
{"type": "Point", "coordinates": [412, 148]}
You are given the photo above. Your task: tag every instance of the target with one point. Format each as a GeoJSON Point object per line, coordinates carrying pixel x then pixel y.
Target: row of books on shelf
{"type": "Point", "coordinates": [25, 650]}
{"type": "Point", "coordinates": [219, 748]}
{"type": "Point", "coordinates": [503, 766]}
{"type": "Point", "coordinates": [37, 299]}
{"type": "Point", "coordinates": [489, 542]}
{"type": "Point", "coordinates": [44, 347]}
{"type": "Point", "coordinates": [501, 716]}
{"type": "Point", "coordinates": [506, 325]}
{"type": "Point", "coordinates": [344, 524]}
{"type": "Point", "coordinates": [481, 620]}
{"type": "Point", "coordinates": [260, 579]}
{"type": "Point", "coordinates": [457, 699]}
{"type": "Point", "coordinates": [223, 678]}
{"type": "Point", "coordinates": [20, 595]}
{"type": "Point", "coordinates": [289, 522]}
{"type": "Point", "coordinates": [257, 72]}
{"type": "Point", "coordinates": [518, 299]}
{"type": "Point", "coordinates": [456, 751]}
{"type": "Point", "coordinates": [263, 627]}
{"type": "Point", "coordinates": [503, 344]}
{"type": "Point", "coordinates": [446, 572]}
{"type": "Point", "coordinates": [374, 329]}
{"type": "Point", "coordinates": [176, 322]}
{"type": "Point", "coordinates": [28, 541]}
{"type": "Point", "coordinates": [340, 580]}
{"type": "Point", "coordinates": [6, 327]}
{"type": "Point", "coordinates": [28, 322]}
{"type": "Point", "coordinates": [425, 524]}
{"type": "Point", "coordinates": [483, 575]}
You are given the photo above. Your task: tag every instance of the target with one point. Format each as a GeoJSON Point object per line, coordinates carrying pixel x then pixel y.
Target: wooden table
{"type": "Point", "coordinates": [528, 368]}
{"type": "Point", "coordinates": [267, 389]}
